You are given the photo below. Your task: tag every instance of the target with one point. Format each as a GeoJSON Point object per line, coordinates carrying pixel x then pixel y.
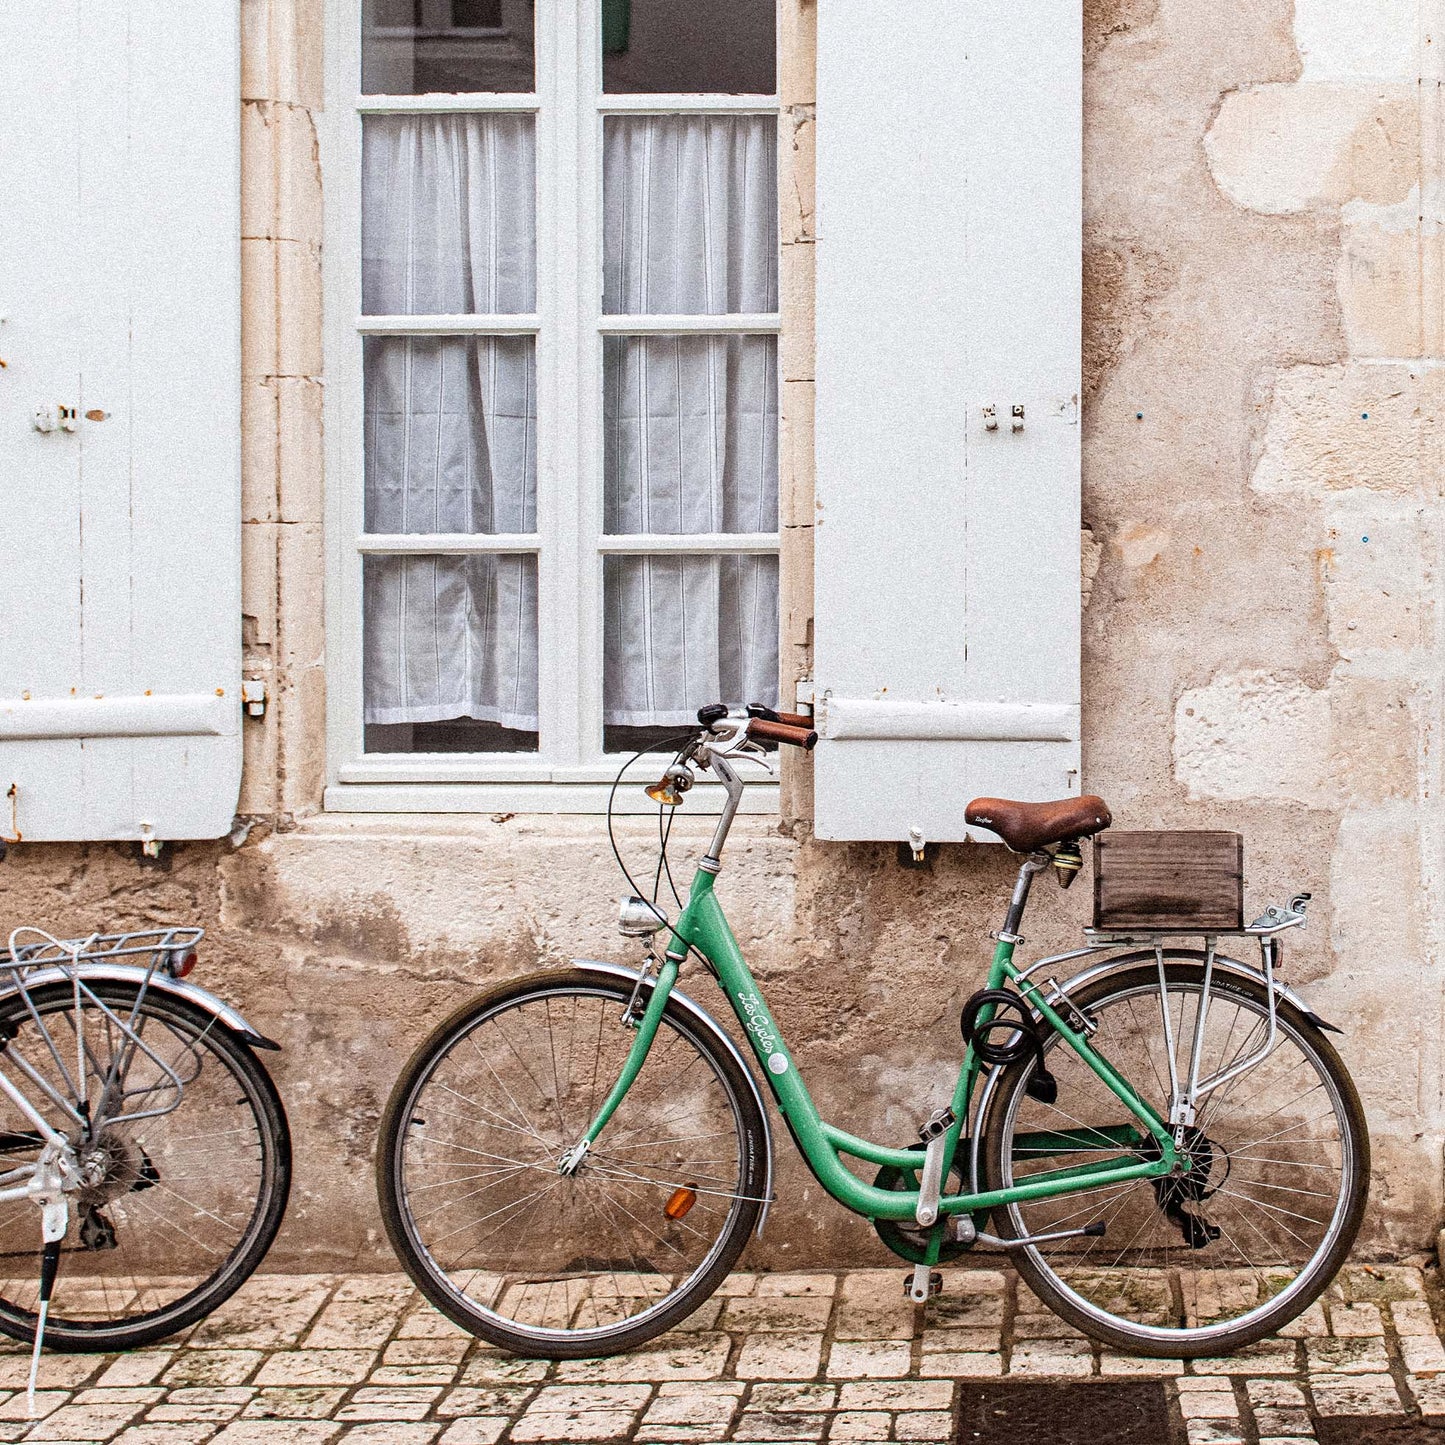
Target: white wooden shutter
{"type": "Point", "coordinates": [120, 535]}
{"type": "Point", "coordinates": [947, 562]}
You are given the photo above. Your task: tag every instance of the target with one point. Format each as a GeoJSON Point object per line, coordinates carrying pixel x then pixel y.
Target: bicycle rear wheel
{"type": "Point", "coordinates": [1206, 1261]}
{"type": "Point", "coordinates": [184, 1204]}
{"type": "Point", "coordinates": [567, 1266]}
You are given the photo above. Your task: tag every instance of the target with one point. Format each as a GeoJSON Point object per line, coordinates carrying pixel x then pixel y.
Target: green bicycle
{"type": "Point", "coordinates": [1167, 1144]}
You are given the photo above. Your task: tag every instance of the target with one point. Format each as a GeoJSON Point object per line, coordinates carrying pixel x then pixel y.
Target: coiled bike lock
{"type": "Point", "coordinates": [1022, 1041]}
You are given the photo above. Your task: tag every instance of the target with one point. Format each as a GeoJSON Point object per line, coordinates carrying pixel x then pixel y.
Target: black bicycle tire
{"type": "Point", "coordinates": [1219, 1341]}
{"type": "Point", "coordinates": [81, 1336]}
{"type": "Point", "coordinates": [621, 1338]}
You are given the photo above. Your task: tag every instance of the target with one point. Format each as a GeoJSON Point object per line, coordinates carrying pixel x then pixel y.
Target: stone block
{"type": "Point", "coordinates": [1354, 1395]}
{"type": "Point", "coordinates": [258, 309]}
{"type": "Point", "coordinates": [814, 1285]}
{"type": "Point", "coordinates": [1252, 735]}
{"type": "Point", "coordinates": [691, 1357]}
{"type": "Point", "coordinates": [869, 1359]}
{"type": "Point", "coordinates": [797, 51]}
{"type": "Point", "coordinates": [1412, 1317]}
{"type": "Point", "coordinates": [895, 1395]}
{"type": "Point", "coordinates": [796, 458]}
{"type": "Point", "coordinates": [207, 1368]}
{"type": "Point", "coordinates": [789, 1399]}
{"type": "Point", "coordinates": [780, 1356]}
{"type": "Point", "coordinates": [298, 211]}
{"type": "Point", "coordinates": [1366, 428]}
{"type": "Point", "coordinates": [1373, 570]}
{"type": "Point", "coordinates": [796, 285]}
{"type": "Point", "coordinates": [1290, 147]}
{"type": "Point", "coordinates": [1360, 1321]}
{"type": "Point", "coordinates": [315, 1367]}
{"type": "Point", "coordinates": [776, 1313]}
{"type": "Point", "coordinates": [259, 542]}
{"type": "Point", "coordinates": [1376, 862]}
{"type": "Point", "coordinates": [298, 309]}
{"type": "Point", "coordinates": [1334, 46]}
{"type": "Point", "coordinates": [861, 1425]}
{"type": "Point", "coordinates": [797, 174]}
{"type": "Point", "coordinates": [1384, 280]}
{"type": "Point", "coordinates": [258, 171]}
{"type": "Point", "coordinates": [260, 421]}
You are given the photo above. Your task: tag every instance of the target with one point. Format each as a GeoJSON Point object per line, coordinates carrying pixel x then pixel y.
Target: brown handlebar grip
{"type": "Point", "coordinates": [799, 737]}
{"type": "Point", "coordinates": [796, 720]}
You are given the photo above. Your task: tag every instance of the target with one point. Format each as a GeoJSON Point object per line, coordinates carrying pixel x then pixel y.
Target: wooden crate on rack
{"type": "Point", "coordinates": [1169, 881]}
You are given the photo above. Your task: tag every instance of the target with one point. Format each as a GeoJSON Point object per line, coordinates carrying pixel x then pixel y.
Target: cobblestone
{"type": "Point", "coordinates": [324, 1360]}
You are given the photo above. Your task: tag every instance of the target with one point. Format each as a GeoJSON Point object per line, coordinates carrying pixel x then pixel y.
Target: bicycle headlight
{"type": "Point", "coordinates": [669, 789]}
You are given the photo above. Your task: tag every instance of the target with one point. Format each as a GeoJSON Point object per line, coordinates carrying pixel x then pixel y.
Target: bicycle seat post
{"type": "Point", "coordinates": [1034, 863]}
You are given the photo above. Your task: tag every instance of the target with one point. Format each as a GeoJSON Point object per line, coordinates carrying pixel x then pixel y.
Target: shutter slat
{"type": "Point", "coordinates": [947, 578]}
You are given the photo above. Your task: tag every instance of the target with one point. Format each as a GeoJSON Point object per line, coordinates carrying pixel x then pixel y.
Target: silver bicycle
{"type": "Point", "coordinates": [144, 1150]}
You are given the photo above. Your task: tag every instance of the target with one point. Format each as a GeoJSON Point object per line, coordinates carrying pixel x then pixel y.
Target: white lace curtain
{"type": "Point", "coordinates": [690, 423]}
{"type": "Point", "coordinates": [451, 422]}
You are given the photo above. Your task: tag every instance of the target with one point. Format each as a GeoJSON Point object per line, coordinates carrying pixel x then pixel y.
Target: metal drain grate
{"type": "Point", "coordinates": [1376, 1430]}
{"type": "Point", "coordinates": [1131, 1412]}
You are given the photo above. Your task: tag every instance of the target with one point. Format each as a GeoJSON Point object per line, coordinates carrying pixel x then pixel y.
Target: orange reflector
{"type": "Point", "coordinates": [682, 1200]}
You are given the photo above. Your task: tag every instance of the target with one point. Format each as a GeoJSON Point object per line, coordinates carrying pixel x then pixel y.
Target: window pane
{"type": "Point", "coordinates": [679, 632]}
{"type": "Point", "coordinates": [451, 433]}
{"type": "Point", "coordinates": [448, 207]}
{"type": "Point", "coordinates": [691, 434]}
{"type": "Point", "coordinates": [413, 47]}
{"type": "Point", "coordinates": [450, 640]}
{"type": "Point", "coordinates": [723, 46]}
{"type": "Point", "coordinates": [690, 214]}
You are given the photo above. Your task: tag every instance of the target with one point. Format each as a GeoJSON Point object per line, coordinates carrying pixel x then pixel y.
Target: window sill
{"type": "Point", "coordinates": [535, 796]}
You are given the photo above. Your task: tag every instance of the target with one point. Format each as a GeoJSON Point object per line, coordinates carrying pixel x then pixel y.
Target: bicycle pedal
{"type": "Point", "coordinates": [922, 1283]}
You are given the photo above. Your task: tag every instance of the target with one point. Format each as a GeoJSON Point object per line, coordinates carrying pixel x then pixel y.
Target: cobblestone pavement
{"type": "Point", "coordinates": [309, 1360]}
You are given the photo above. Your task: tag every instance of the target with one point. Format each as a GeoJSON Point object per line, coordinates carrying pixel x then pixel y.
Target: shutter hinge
{"type": "Point", "coordinates": [253, 696]}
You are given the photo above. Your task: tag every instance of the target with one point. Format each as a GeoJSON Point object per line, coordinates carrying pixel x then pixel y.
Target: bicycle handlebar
{"type": "Point", "coordinates": [784, 732]}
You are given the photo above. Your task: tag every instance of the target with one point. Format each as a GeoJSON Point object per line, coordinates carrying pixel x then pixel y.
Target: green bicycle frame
{"type": "Point", "coordinates": [703, 927]}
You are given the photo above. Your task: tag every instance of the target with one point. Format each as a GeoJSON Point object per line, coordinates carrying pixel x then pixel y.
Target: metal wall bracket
{"type": "Point", "coordinates": [254, 696]}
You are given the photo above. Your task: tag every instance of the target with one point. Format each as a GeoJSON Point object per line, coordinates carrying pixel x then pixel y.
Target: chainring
{"type": "Point", "coordinates": [906, 1240]}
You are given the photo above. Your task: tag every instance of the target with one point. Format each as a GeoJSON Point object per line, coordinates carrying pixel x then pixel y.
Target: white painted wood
{"type": "Point", "coordinates": [949, 241]}
{"type": "Point", "coordinates": [448, 104]}
{"type": "Point", "coordinates": [661, 103]}
{"type": "Point", "coordinates": [119, 273]}
{"type": "Point", "coordinates": [1008, 722]}
{"type": "Point", "coordinates": [688, 543]}
{"type": "Point", "coordinates": [761, 323]}
{"type": "Point", "coordinates": [467, 325]}
{"type": "Point", "coordinates": [169, 715]}
{"type": "Point", "coordinates": [446, 544]}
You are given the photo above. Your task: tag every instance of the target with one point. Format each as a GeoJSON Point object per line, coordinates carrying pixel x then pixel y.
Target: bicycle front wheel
{"type": "Point", "coordinates": [560, 1265]}
{"type": "Point", "coordinates": [180, 1206]}
{"type": "Point", "coordinates": [1208, 1260]}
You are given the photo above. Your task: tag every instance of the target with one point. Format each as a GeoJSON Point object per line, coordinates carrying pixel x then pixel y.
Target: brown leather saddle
{"type": "Point", "coordinates": [1026, 827]}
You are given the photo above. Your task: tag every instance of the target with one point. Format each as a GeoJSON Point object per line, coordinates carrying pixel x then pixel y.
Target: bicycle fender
{"type": "Point", "coordinates": [710, 1026]}
{"type": "Point", "coordinates": [1229, 965]}
{"type": "Point", "coordinates": [160, 982]}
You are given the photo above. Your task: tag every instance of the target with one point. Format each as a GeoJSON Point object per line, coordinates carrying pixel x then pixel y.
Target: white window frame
{"type": "Point", "coordinates": [571, 773]}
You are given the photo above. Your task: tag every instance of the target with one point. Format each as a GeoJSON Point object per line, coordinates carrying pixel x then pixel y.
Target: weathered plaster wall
{"type": "Point", "coordinates": [1264, 324]}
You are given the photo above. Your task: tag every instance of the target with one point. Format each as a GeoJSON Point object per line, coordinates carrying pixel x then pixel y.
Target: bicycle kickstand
{"type": "Point", "coordinates": [54, 1221]}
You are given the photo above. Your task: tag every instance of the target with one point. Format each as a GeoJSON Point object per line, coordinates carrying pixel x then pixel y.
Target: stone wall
{"type": "Point", "coordinates": [1262, 647]}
